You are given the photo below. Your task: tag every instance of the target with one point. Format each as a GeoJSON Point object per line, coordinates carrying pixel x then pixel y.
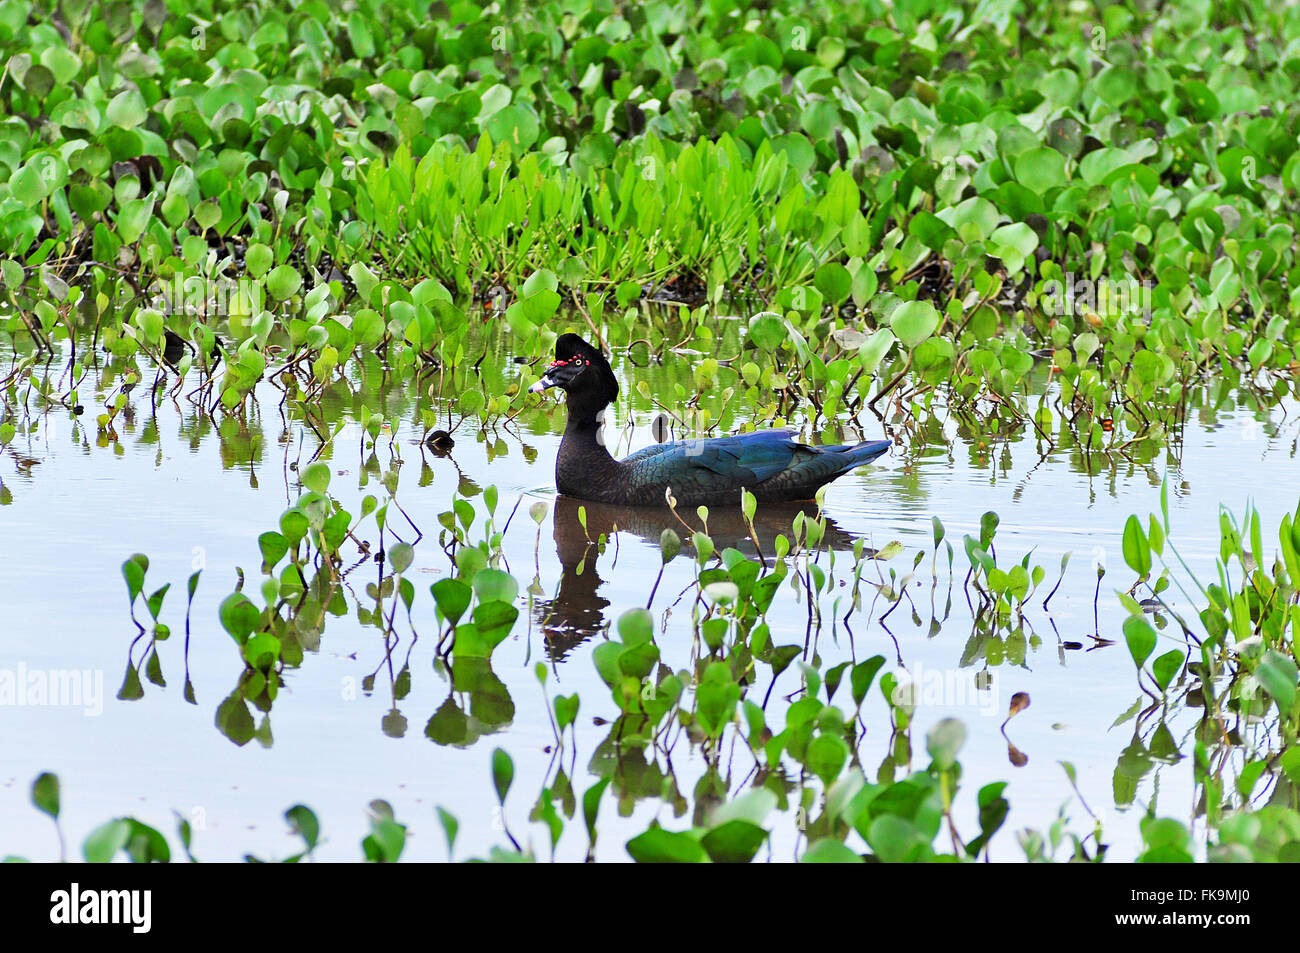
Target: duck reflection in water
{"type": "Point", "coordinates": [577, 610]}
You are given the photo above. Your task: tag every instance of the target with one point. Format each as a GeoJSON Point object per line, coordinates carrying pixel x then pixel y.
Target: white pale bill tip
{"type": "Point", "coordinates": [541, 385]}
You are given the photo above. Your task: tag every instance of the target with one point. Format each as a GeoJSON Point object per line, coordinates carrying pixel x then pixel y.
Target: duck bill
{"type": "Point", "coordinates": [558, 374]}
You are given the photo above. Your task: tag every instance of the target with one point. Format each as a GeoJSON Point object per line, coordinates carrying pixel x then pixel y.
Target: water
{"type": "Point", "coordinates": [194, 493]}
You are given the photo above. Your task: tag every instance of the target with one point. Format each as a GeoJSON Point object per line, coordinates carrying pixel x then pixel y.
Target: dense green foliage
{"type": "Point", "coordinates": [936, 167]}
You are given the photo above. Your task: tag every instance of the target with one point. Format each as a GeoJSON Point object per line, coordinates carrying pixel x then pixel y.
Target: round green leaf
{"type": "Point", "coordinates": [914, 321]}
{"type": "Point", "coordinates": [283, 282]}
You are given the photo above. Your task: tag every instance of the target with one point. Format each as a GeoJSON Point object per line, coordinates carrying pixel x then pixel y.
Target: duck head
{"type": "Point", "coordinates": [582, 372]}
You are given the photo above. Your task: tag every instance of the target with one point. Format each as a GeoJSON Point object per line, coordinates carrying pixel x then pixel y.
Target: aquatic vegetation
{"type": "Point", "coordinates": [1122, 229]}
{"type": "Point", "coordinates": [978, 228]}
{"type": "Point", "coordinates": [805, 755]}
{"type": "Point", "coordinates": [745, 561]}
{"type": "Point", "coordinates": [1236, 662]}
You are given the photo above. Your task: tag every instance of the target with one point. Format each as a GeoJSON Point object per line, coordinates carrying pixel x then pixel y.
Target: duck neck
{"type": "Point", "coordinates": [583, 460]}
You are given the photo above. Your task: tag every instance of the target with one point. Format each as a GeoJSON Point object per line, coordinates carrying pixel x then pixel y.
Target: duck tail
{"type": "Point", "coordinates": [866, 451]}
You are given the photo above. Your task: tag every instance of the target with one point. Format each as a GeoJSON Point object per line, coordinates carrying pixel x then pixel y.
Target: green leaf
{"type": "Point", "coordinates": [133, 571]}
{"type": "Point", "coordinates": [400, 556]}
{"type": "Point", "coordinates": [1085, 345]}
{"type": "Point", "coordinates": [1279, 676]}
{"type": "Point", "coordinates": [566, 709]}
{"type": "Point", "coordinates": [450, 826]}
{"type": "Point", "coordinates": [862, 676]}
{"type": "Point", "coordinates": [273, 547]}
{"type": "Point", "coordinates": [930, 230]}
{"type": "Point", "coordinates": [733, 842]}
{"type": "Point", "coordinates": [753, 806]}
{"type": "Point", "coordinates": [914, 321]}
{"type": "Point", "coordinates": [834, 281]}
{"type": "Point", "coordinates": [303, 822]}
{"type": "Point", "coordinates": [61, 62]}
{"type": "Point", "coordinates": [503, 773]}
{"type": "Point", "coordinates": [258, 259]}
{"type": "Point", "coordinates": [127, 109]}
{"type": "Point", "coordinates": [591, 806]}
{"type": "Point", "coordinates": [895, 839]}
{"type": "Point", "coordinates": [386, 841]}
{"type": "Point", "coordinates": [105, 841]}
{"type": "Point", "coordinates": [283, 282]}
{"type": "Point", "coordinates": [658, 846]}
{"type": "Point", "coordinates": [988, 528]}
{"type": "Point", "coordinates": [635, 627]}
{"type": "Point", "coordinates": [45, 794]}
{"type": "Point", "coordinates": [494, 585]}
{"type": "Point", "coordinates": [944, 740]}
{"type": "Point", "coordinates": [1137, 549]}
{"type": "Point", "coordinates": [826, 757]}
{"type": "Point", "coordinates": [874, 350]}
{"type": "Point", "coordinates": [1041, 170]}
{"type": "Point", "coordinates": [767, 330]}
{"type": "Point", "coordinates": [453, 597]}
{"type": "Point", "coordinates": [670, 544]}
{"type": "Point", "coordinates": [1141, 639]}
{"type": "Point", "coordinates": [316, 477]}
{"type": "Point", "coordinates": [1166, 667]}
{"type": "Point", "coordinates": [829, 851]}
{"type": "Point", "coordinates": [238, 616]}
